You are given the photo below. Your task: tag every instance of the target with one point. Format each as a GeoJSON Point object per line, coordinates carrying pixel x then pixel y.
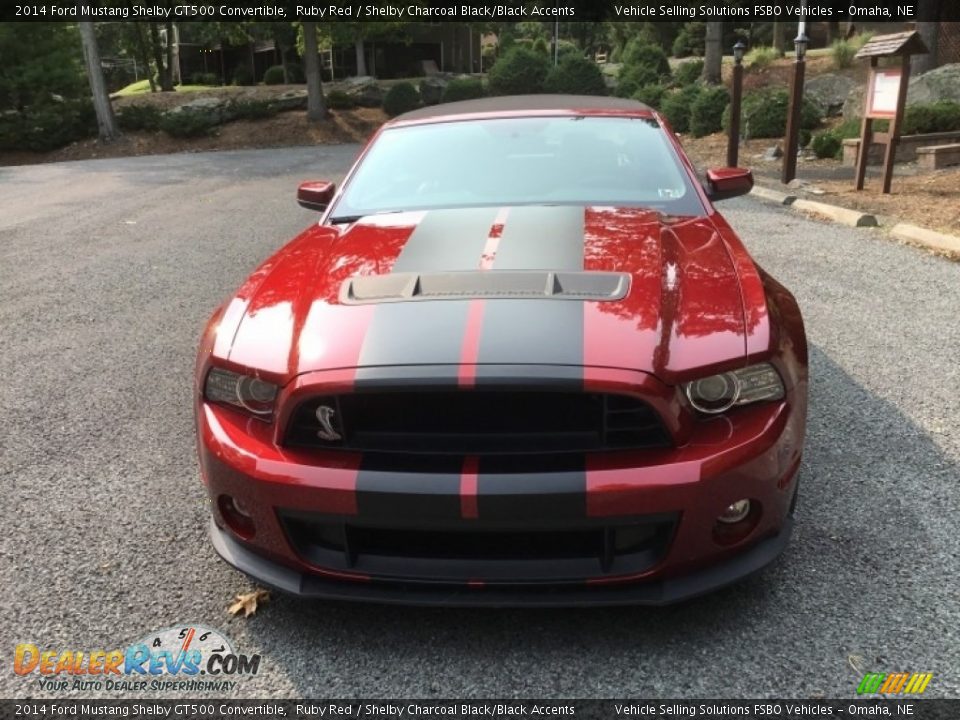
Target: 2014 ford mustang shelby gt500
{"type": "Point", "coordinates": [521, 359]}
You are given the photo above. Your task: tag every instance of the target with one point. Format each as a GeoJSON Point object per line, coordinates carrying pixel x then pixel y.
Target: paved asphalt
{"type": "Point", "coordinates": [109, 268]}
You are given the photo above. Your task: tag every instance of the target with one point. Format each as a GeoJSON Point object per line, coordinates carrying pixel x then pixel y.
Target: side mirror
{"type": "Point", "coordinates": [316, 194]}
{"type": "Point", "coordinates": [724, 183]}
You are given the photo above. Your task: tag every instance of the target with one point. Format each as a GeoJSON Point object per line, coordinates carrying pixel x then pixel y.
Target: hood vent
{"type": "Point", "coordinates": [493, 285]}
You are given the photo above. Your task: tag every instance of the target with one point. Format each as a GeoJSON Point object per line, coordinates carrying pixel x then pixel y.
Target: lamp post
{"type": "Point", "coordinates": [796, 99]}
{"type": "Point", "coordinates": [733, 140]}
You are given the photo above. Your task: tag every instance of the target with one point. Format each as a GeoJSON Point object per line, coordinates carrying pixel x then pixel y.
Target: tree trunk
{"type": "Point", "coordinates": [143, 53]}
{"type": "Point", "coordinates": [169, 54]}
{"type": "Point", "coordinates": [713, 57]}
{"type": "Point", "coordinates": [106, 123]}
{"type": "Point", "coordinates": [361, 57]}
{"type": "Point", "coordinates": [777, 42]}
{"type": "Point", "coordinates": [163, 72]}
{"type": "Point", "coordinates": [316, 107]}
{"type": "Point", "coordinates": [928, 33]}
{"type": "Point", "coordinates": [833, 31]}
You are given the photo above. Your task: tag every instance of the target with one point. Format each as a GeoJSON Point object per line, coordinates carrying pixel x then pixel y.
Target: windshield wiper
{"type": "Point", "coordinates": [342, 219]}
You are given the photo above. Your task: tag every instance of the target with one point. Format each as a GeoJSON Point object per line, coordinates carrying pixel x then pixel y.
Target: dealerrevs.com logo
{"type": "Point", "coordinates": [186, 657]}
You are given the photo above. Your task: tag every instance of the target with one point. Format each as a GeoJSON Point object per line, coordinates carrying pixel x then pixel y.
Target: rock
{"type": "Point", "coordinates": [431, 89]}
{"type": "Point", "coordinates": [291, 100]}
{"type": "Point", "coordinates": [773, 153]}
{"type": "Point", "coordinates": [830, 92]}
{"type": "Point", "coordinates": [942, 83]}
{"type": "Point", "coordinates": [364, 90]}
{"type": "Point", "coordinates": [797, 183]}
{"type": "Point", "coordinates": [218, 109]}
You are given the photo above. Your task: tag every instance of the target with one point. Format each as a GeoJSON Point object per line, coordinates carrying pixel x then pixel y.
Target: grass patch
{"type": "Point", "coordinates": [143, 86]}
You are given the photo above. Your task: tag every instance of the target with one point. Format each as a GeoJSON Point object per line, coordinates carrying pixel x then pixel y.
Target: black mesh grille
{"type": "Point", "coordinates": [482, 422]}
{"type": "Point", "coordinates": [494, 554]}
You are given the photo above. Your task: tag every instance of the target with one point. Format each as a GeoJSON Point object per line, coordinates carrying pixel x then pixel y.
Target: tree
{"type": "Point", "coordinates": [777, 42]}
{"type": "Point", "coordinates": [38, 60]}
{"type": "Point", "coordinates": [713, 56]}
{"type": "Point", "coordinates": [106, 123]}
{"type": "Point", "coordinates": [316, 107]}
{"type": "Point", "coordinates": [163, 69]}
{"type": "Point", "coordinates": [929, 32]}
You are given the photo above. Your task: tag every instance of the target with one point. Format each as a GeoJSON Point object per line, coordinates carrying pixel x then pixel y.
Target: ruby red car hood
{"type": "Point", "coordinates": [683, 312]}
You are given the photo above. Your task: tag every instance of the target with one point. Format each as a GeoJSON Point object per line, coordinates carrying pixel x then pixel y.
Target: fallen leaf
{"type": "Point", "coordinates": [247, 603]}
{"type": "Point", "coordinates": [856, 662]}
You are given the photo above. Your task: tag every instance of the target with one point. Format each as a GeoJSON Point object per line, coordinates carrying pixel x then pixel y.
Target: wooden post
{"type": "Point", "coordinates": [866, 139]}
{"type": "Point", "coordinates": [893, 138]}
{"type": "Point", "coordinates": [789, 171]}
{"type": "Point", "coordinates": [736, 96]}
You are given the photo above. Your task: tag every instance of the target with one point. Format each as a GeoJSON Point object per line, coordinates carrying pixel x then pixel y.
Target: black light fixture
{"type": "Point", "coordinates": [738, 51]}
{"type": "Point", "coordinates": [800, 43]}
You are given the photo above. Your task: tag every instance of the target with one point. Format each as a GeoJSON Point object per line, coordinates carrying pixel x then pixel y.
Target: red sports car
{"type": "Point", "coordinates": [520, 360]}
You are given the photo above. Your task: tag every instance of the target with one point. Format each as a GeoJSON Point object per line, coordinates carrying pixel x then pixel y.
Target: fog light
{"type": "Point", "coordinates": [735, 512]}
{"type": "Point", "coordinates": [236, 516]}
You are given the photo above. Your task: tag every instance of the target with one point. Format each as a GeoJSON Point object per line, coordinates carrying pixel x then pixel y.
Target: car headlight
{"type": "Point", "coordinates": [250, 393]}
{"type": "Point", "coordinates": [718, 393]}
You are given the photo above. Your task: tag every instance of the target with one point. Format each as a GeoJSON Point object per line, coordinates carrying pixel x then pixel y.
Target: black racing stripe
{"type": "Point", "coordinates": [447, 240]}
{"type": "Point", "coordinates": [425, 492]}
{"type": "Point", "coordinates": [553, 494]}
{"type": "Point", "coordinates": [535, 331]}
{"type": "Point", "coordinates": [541, 238]}
{"type": "Point", "coordinates": [429, 332]}
{"type": "Point", "coordinates": [421, 333]}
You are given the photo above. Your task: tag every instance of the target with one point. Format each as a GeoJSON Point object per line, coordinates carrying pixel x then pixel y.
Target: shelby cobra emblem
{"type": "Point", "coordinates": [325, 416]}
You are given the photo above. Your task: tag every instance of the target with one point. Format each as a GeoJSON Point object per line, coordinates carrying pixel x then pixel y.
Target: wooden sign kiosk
{"type": "Point", "coordinates": [886, 98]}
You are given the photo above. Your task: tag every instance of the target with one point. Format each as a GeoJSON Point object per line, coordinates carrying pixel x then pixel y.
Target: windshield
{"type": "Point", "coordinates": [514, 161]}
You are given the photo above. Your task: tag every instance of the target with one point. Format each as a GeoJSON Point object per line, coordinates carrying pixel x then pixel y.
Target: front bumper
{"type": "Point", "coordinates": [656, 592]}
{"type": "Point", "coordinates": [752, 453]}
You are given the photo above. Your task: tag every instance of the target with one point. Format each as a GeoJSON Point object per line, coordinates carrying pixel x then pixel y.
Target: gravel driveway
{"type": "Point", "coordinates": [108, 269]}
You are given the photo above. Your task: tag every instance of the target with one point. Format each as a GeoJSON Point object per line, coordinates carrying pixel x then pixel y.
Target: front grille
{"type": "Point", "coordinates": [476, 422]}
{"type": "Point", "coordinates": [491, 554]}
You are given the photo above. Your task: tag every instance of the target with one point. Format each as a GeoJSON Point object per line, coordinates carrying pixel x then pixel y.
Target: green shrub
{"type": "Point", "coordinates": [651, 95]}
{"type": "Point", "coordinates": [139, 117]}
{"type": "Point", "coordinates": [688, 73]}
{"type": "Point", "coordinates": [243, 75]}
{"type": "Point", "coordinates": [273, 75]}
{"type": "Point", "coordinates": [764, 113]}
{"type": "Point", "coordinates": [339, 100]}
{"type": "Point", "coordinates": [760, 57]}
{"type": "Point", "coordinates": [939, 116]}
{"type": "Point", "coordinates": [804, 137]}
{"type": "Point", "coordinates": [568, 47]}
{"type": "Point", "coordinates": [859, 40]}
{"type": "Point", "coordinates": [519, 71]}
{"type": "Point", "coordinates": [402, 97]}
{"type": "Point", "coordinates": [677, 106]}
{"type": "Point", "coordinates": [646, 54]}
{"type": "Point", "coordinates": [462, 89]}
{"type": "Point", "coordinates": [204, 78]}
{"type": "Point", "coordinates": [540, 46]}
{"type": "Point", "coordinates": [706, 110]}
{"type": "Point", "coordinates": [690, 40]}
{"type": "Point", "coordinates": [827, 144]}
{"type": "Point", "coordinates": [48, 126]}
{"type": "Point", "coordinates": [251, 109]}
{"type": "Point", "coordinates": [842, 53]}
{"type": "Point", "coordinates": [633, 77]}
{"type": "Point", "coordinates": [575, 75]}
{"type": "Point", "coordinates": [188, 123]}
